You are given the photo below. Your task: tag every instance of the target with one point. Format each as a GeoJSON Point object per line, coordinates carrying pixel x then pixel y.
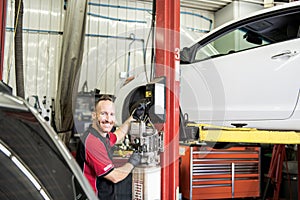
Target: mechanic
{"type": "Point", "coordinates": [95, 153]}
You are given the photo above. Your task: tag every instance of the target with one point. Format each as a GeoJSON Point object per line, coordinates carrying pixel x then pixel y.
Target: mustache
{"type": "Point", "coordinates": [106, 121]}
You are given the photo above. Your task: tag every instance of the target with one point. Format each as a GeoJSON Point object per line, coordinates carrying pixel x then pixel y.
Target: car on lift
{"type": "Point", "coordinates": [35, 164]}
{"type": "Point", "coordinates": [244, 73]}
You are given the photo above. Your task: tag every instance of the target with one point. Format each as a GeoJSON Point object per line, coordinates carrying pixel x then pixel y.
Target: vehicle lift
{"type": "Point", "coordinates": [211, 133]}
{"type": "Point", "coordinates": [167, 65]}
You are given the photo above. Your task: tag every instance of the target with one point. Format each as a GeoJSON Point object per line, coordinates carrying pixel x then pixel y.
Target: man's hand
{"type": "Point", "coordinates": [138, 110]}
{"type": "Point", "coordinates": [135, 159]}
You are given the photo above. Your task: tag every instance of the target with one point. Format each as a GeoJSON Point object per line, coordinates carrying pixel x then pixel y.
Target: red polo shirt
{"type": "Point", "coordinates": [98, 161]}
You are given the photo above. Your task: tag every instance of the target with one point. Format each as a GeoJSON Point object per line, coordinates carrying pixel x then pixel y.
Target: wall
{"type": "Point", "coordinates": [235, 10]}
{"type": "Point", "coordinates": [42, 24]}
{"type": "Point", "coordinates": [106, 61]}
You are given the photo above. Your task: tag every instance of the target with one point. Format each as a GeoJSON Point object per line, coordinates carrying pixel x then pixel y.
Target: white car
{"type": "Point", "coordinates": [244, 73]}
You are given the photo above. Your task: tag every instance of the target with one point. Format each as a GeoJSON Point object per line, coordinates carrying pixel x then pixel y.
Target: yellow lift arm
{"type": "Point", "coordinates": [212, 133]}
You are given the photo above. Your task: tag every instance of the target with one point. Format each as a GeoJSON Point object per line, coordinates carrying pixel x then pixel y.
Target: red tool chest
{"type": "Point", "coordinates": [208, 173]}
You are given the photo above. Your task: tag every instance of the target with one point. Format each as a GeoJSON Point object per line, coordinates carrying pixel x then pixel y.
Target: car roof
{"type": "Point", "coordinates": [13, 102]}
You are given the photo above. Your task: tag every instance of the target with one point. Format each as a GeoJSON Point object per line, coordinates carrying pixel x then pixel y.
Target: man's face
{"type": "Point", "coordinates": [104, 117]}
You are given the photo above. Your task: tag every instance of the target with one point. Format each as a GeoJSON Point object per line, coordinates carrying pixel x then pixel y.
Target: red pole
{"type": "Point", "coordinates": [167, 64]}
{"type": "Point", "coordinates": [2, 34]}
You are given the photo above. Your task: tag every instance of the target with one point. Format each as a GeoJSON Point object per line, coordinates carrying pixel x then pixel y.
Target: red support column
{"type": "Point", "coordinates": [167, 64]}
{"type": "Point", "coordinates": [2, 34]}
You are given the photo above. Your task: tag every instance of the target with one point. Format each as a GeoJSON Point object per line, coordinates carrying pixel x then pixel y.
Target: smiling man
{"type": "Point", "coordinates": [95, 156]}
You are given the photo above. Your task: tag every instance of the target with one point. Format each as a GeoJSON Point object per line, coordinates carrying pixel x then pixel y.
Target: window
{"type": "Point", "coordinates": [255, 34]}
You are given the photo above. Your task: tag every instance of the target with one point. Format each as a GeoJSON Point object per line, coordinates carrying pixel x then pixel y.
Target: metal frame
{"type": "Point", "coordinates": [213, 133]}
{"type": "Point", "coordinates": [167, 65]}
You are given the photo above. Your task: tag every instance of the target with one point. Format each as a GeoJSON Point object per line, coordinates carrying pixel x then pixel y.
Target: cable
{"type": "Point", "coordinates": [145, 53]}
{"type": "Point", "coordinates": [153, 39]}
{"type": "Point", "coordinates": [152, 52]}
{"type": "Point", "coordinates": [15, 27]}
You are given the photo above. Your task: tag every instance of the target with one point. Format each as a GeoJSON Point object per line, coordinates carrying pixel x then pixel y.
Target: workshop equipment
{"type": "Point", "coordinates": [213, 133]}
{"type": "Point", "coordinates": [148, 141]}
{"type": "Point", "coordinates": [219, 134]}
{"type": "Point", "coordinates": [275, 170]}
{"type": "Point", "coordinates": [208, 173]}
{"type": "Point", "coordinates": [146, 177]}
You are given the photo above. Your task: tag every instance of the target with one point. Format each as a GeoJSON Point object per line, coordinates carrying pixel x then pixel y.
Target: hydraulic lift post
{"type": "Point", "coordinates": [167, 64]}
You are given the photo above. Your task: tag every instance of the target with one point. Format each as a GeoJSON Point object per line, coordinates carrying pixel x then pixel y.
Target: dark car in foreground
{"type": "Point", "coordinates": [35, 164]}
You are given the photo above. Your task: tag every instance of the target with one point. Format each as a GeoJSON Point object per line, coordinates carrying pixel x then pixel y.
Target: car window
{"type": "Point", "coordinates": [251, 35]}
{"type": "Point", "coordinates": [31, 165]}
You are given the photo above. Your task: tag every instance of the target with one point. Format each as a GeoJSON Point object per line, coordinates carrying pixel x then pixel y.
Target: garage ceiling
{"type": "Point", "coordinates": [209, 5]}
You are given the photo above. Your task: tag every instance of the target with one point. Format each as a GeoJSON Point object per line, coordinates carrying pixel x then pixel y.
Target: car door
{"type": "Point", "coordinates": [247, 70]}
